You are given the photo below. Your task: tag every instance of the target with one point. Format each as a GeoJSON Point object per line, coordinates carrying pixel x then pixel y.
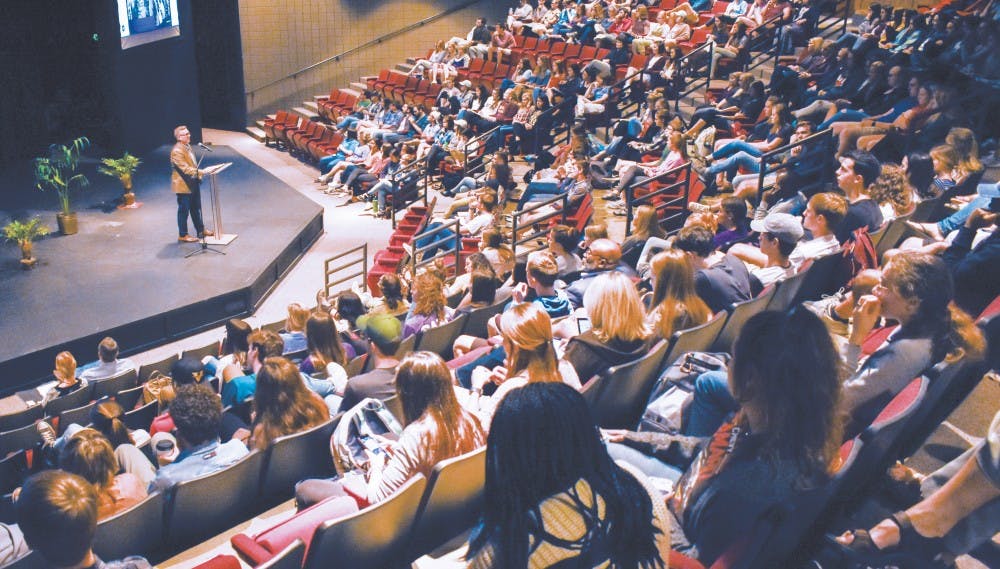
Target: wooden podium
{"type": "Point", "coordinates": [220, 237]}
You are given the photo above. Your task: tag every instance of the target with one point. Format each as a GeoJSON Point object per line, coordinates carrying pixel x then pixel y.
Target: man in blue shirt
{"type": "Point", "coordinates": [238, 387]}
{"type": "Point", "coordinates": [197, 414]}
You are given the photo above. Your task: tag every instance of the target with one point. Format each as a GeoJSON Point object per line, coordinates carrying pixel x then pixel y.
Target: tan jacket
{"type": "Point", "coordinates": [184, 176]}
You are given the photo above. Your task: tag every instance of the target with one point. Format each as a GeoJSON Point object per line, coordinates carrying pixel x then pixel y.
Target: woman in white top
{"type": "Point", "coordinates": [526, 330]}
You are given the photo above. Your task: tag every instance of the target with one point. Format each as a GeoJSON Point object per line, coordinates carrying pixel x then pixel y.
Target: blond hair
{"type": "Point", "coordinates": [297, 316]}
{"type": "Point", "coordinates": [65, 368]}
{"type": "Point", "coordinates": [527, 336]}
{"type": "Point", "coordinates": [615, 309]}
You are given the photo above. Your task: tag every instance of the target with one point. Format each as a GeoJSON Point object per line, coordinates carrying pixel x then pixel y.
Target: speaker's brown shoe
{"type": "Point", "coordinates": [187, 239]}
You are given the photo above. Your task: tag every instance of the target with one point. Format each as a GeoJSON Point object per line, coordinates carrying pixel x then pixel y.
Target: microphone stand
{"type": "Point", "coordinates": [204, 244]}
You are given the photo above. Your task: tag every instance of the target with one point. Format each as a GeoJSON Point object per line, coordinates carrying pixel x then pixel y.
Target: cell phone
{"type": "Point", "coordinates": [583, 324]}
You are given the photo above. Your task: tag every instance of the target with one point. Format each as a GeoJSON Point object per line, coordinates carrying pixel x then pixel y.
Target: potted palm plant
{"type": "Point", "coordinates": [57, 171]}
{"type": "Point", "coordinates": [23, 233]}
{"type": "Point", "coordinates": [122, 168]}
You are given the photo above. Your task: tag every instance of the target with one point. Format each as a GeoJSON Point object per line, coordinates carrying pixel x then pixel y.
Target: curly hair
{"type": "Point", "coordinates": [197, 413]}
{"type": "Point", "coordinates": [893, 188]}
{"type": "Point", "coordinates": [428, 296]}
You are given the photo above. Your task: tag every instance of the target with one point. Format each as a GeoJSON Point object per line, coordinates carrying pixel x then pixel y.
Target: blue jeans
{"type": "Point", "coordinates": [189, 204]}
{"type": "Point", "coordinates": [711, 406]}
{"type": "Point", "coordinates": [732, 164]}
{"type": "Point", "coordinates": [489, 360]}
{"type": "Point", "coordinates": [735, 146]}
{"type": "Point", "coordinates": [327, 162]}
{"type": "Point", "coordinates": [379, 191]}
{"type": "Point", "coordinates": [464, 186]}
{"type": "Point", "coordinates": [956, 220]}
{"type": "Point", "coordinates": [394, 137]}
{"type": "Point", "coordinates": [646, 464]}
{"type": "Point", "coordinates": [441, 241]}
{"type": "Point", "coordinates": [497, 138]}
{"type": "Point", "coordinates": [347, 122]}
{"type": "Point", "coordinates": [847, 115]}
{"type": "Point", "coordinates": [538, 191]}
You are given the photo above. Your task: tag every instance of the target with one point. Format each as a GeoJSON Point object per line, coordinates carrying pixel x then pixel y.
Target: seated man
{"type": "Point", "coordinates": [719, 280]}
{"type": "Point", "coordinates": [779, 236]}
{"type": "Point", "coordinates": [384, 333]}
{"type": "Point", "coordinates": [197, 413]}
{"type": "Point", "coordinates": [602, 256]}
{"type": "Point", "coordinates": [238, 386]}
{"type": "Point", "coordinates": [108, 364]}
{"type": "Point", "coordinates": [57, 511]}
{"type": "Point", "coordinates": [480, 218]}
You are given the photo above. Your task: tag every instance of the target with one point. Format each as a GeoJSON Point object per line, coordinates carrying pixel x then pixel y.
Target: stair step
{"type": "Point", "coordinates": [307, 113]}
{"type": "Point", "coordinates": [256, 133]}
{"type": "Point", "coordinates": [404, 67]}
{"type": "Point", "coordinates": [272, 116]}
{"type": "Point", "coordinates": [311, 105]}
{"type": "Point", "coordinates": [359, 86]}
{"type": "Point", "coordinates": [411, 60]}
{"type": "Point", "coordinates": [259, 124]}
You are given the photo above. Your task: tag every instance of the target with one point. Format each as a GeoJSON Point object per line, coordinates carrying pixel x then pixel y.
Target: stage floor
{"type": "Point", "coordinates": [125, 272]}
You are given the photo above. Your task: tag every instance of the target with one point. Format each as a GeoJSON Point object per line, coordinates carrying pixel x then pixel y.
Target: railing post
{"type": "Point", "coordinates": [629, 202]}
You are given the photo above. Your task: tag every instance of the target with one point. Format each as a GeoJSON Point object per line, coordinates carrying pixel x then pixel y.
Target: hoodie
{"type": "Point", "coordinates": [590, 356]}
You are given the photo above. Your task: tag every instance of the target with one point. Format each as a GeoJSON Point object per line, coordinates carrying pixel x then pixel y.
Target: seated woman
{"type": "Point", "coordinates": [432, 65]}
{"type": "Point", "coordinates": [562, 242]}
{"type": "Point", "coordinates": [66, 380]}
{"type": "Point", "coordinates": [618, 333]}
{"type": "Point", "coordinates": [916, 291]}
{"type": "Point", "coordinates": [499, 254]}
{"type": "Point", "coordinates": [393, 299]}
{"type": "Point", "coordinates": [780, 444]}
{"type": "Point", "coordinates": [282, 404]}
{"type": "Point", "coordinates": [430, 308]}
{"type": "Point", "coordinates": [234, 349]}
{"type": "Point", "coordinates": [461, 284]}
{"type": "Point", "coordinates": [294, 332]}
{"type": "Point", "coordinates": [528, 356]}
{"type": "Point", "coordinates": [674, 305]}
{"type": "Point", "coordinates": [555, 498]}
{"type": "Point", "coordinates": [437, 428]}
{"type": "Point", "coordinates": [645, 225]}
{"type": "Point", "coordinates": [892, 192]}
{"type": "Point", "coordinates": [742, 105]}
{"type": "Point", "coordinates": [348, 307]}
{"type": "Point", "coordinates": [483, 285]}
{"type": "Point", "coordinates": [89, 454]}
{"type": "Point", "coordinates": [674, 155]}
{"type": "Point", "coordinates": [324, 369]}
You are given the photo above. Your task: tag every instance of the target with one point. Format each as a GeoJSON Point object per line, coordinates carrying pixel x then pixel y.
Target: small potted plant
{"type": "Point", "coordinates": [23, 233]}
{"type": "Point", "coordinates": [57, 171]}
{"type": "Point", "coordinates": [122, 168]}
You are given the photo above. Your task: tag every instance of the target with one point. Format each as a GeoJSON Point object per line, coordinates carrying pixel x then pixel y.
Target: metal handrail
{"type": "Point", "coordinates": [682, 175]}
{"type": "Point", "coordinates": [685, 64]}
{"type": "Point", "coordinates": [414, 166]}
{"type": "Point", "coordinates": [328, 283]}
{"type": "Point", "coordinates": [517, 224]}
{"type": "Point", "coordinates": [377, 41]}
{"type": "Point", "coordinates": [417, 252]}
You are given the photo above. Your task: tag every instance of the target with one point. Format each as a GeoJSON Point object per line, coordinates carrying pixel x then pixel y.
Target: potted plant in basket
{"type": "Point", "coordinates": [57, 171]}
{"type": "Point", "coordinates": [122, 168]}
{"type": "Point", "coordinates": [23, 233]}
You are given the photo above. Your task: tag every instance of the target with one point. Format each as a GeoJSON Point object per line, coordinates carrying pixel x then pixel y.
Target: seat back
{"type": "Point", "coordinates": [32, 560]}
{"type": "Point", "coordinates": [296, 457]}
{"type": "Point", "coordinates": [163, 366]}
{"type": "Point", "coordinates": [407, 345]}
{"type": "Point", "coordinates": [697, 339]}
{"type": "Point", "coordinates": [452, 503]}
{"type": "Point", "coordinates": [111, 386]}
{"type": "Point", "coordinates": [440, 338]}
{"type": "Point", "coordinates": [69, 401]}
{"type": "Point", "coordinates": [129, 398]}
{"type": "Point", "coordinates": [13, 470]}
{"type": "Point", "coordinates": [25, 437]}
{"type": "Point", "coordinates": [136, 531]}
{"type": "Point", "coordinates": [290, 557]}
{"type": "Point", "coordinates": [142, 417]}
{"type": "Point", "coordinates": [78, 415]}
{"type": "Point", "coordinates": [18, 419]}
{"type": "Point", "coordinates": [819, 279]}
{"type": "Point", "coordinates": [786, 290]}
{"type": "Point", "coordinates": [618, 397]}
{"type": "Point", "coordinates": [372, 538]}
{"type": "Point", "coordinates": [204, 506]}
{"type": "Point", "coordinates": [476, 325]}
{"type": "Point", "coordinates": [740, 313]}
{"type": "Point", "coordinates": [210, 349]}
{"type": "Point", "coordinates": [355, 366]}
{"type": "Point", "coordinates": [891, 235]}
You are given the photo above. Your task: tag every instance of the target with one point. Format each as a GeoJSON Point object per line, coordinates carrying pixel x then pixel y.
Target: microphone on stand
{"type": "Point", "coordinates": [203, 147]}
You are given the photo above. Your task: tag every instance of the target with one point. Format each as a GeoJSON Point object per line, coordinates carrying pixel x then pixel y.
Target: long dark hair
{"type": "Point", "coordinates": [787, 372]}
{"type": "Point", "coordinates": [323, 340]}
{"type": "Point", "coordinates": [541, 442]}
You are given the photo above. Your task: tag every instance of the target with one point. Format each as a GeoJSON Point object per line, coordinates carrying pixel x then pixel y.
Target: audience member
{"type": "Point", "coordinates": [384, 333]}
{"type": "Point", "coordinates": [108, 363]}
{"type": "Point", "coordinates": [721, 283]}
{"type": "Point", "coordinates": [282, 405]}
{"type": "Point", "coordinates": [197, 413]}
{"type": "Point", "coordinates": [675, 305]}
{"type": "Point", "coordinates": [238, 386]}
{"type": "Point", "coordinates": [66, 380]}
{"type": "Point", "coordinates": [89, 455]}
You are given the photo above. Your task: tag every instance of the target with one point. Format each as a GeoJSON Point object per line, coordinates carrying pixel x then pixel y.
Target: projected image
{"type": "Point", "coordinates": [143, 21]}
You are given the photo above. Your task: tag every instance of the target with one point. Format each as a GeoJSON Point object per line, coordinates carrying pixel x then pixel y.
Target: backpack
{"type": "Point", "coordinates": [674, 390]}
{"type": "Point", "coordinates": [857, 254]}
{"type": "Point", "coordinates": [366, 429]}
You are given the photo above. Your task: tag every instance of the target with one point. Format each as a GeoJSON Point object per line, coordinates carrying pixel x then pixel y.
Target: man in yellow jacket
{"type": "Point", "coordinates": [185, 181]}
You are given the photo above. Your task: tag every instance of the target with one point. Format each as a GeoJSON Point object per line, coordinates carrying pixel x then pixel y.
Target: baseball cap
{"type": "Point", "coordinates": [466, 83]}
{"type": "Point", "coordinates": [384, 330]}
{"type": "Point", "coordinates": [784, 226]}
